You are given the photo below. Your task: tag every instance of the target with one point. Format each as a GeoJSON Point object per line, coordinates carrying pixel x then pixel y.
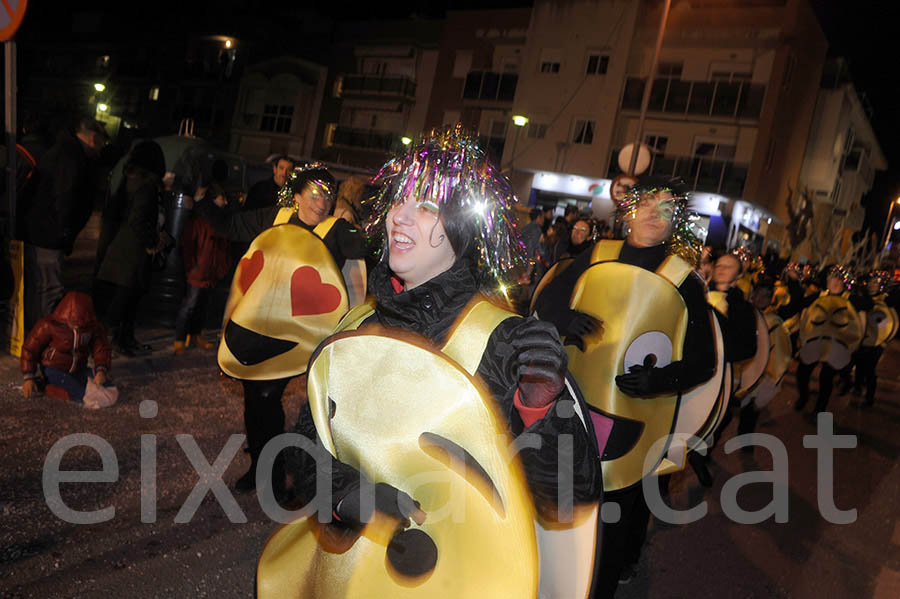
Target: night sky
{"type": "Point", "coordinates": [863, 31]}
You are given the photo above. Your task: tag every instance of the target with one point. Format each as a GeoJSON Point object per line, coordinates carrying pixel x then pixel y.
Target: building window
{"type": "Point", "coordinates": [657, 143]}
{"type": "Point", "coordinates": [597, 64]}
{"type": "Point", "coordinates": [714, 150]}
{"type": "Point", "coordinates": [277, 118]}
{"type": "Point", "coordinates": [537, 130]}
{"type": "Point", "coordinates": [154, 94]}
{"type": "Point", "coordinates": [669, 69]}
{"type": "Point", "coordinates": [583, 132]}
{"type": "Point", "coordinates": [551, 60]}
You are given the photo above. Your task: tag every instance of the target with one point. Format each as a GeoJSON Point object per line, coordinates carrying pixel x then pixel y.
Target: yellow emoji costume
{"type": "Point", "coordinates": [830, 331]}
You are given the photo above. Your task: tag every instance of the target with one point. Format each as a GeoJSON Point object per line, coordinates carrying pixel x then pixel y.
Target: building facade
{"type": "Point", "coordinates": [842, 156]}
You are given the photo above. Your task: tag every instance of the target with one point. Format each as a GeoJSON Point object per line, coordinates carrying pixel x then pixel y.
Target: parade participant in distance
{"type": "Point", "coordinates": [286, 296]}
{"type": "Point", "coordinates": [657, 342]}
{"type": "Point", "coordinates": [830, 331]}
{"type": "Point", "coordinates": [449, 250]}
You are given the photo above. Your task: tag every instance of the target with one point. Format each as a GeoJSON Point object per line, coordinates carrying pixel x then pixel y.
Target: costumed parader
{"type": "Point", "coordinates": [287, 295]}
{"type": "Point", "coordinates": [779, 355]}
{"type": "Point", "coordinates": [831, 329]}
{"type": "Point", "coordinates": [657, 346]}
{"type": "Point", "coordinates": [415, 403]}
{"type": "Point", "coordinates": [881, 326]}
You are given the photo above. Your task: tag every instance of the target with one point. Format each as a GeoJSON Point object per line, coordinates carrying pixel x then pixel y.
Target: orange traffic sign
{"type": "Point", "coordinates": [11, 14]}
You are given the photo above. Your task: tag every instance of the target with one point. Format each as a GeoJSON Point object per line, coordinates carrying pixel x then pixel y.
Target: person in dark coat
{"type": "Point", "coordinates": [60, 345]}
{"type": "Point", "coordinates": [127, 261]}
{"type": "Point", "coordinates": [264, 194]}
{"type": "Point", "coordinates": [57, 209]}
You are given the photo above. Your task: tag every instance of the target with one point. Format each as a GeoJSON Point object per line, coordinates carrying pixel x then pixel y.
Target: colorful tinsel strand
{"type": "Point", "coordinates": [286, 193]}
{"type": "Point", "coordinates": [447, 169]}
{"type": "Point", "coordinates": [683, 241]}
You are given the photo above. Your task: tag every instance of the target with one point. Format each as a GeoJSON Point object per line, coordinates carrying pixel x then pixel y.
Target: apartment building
{"type": "Point", "coordinates": [477, 73]}
{"type": "Point", "coordinates": [279, 101]}
{"type": "Point", "coordinates": [730, 108]}
{"type": "Point", "coordinates": [570, 81]}
{"type": "Point", "coordinates": [379, 86]}
{"type": "Point", "coordinates": [842, 156]}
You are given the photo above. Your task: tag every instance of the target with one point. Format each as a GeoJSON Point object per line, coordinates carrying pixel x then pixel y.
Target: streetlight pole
{"type": "Point", "coordinates": [645, 101]}
{"type": "Point", "coordinates": [519, 121]}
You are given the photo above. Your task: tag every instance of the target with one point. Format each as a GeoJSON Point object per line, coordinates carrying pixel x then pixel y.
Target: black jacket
{"type": "Point", "coordinates": [344, 241]}
{"type": "Point", "coordinates": [738, 327]}
{"type": "Point", "coordinates": [263, 194]}
{"type": "Point", "coordinates": [62, 198]}
{"type": "Point", "coordinates": [699, 357]}
{"type": "Point", "coordinates": [430, 310]}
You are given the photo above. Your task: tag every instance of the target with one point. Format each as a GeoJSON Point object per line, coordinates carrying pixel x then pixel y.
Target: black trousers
{"type": "Point", "coordinates": [122, 312]}
{"type": "Point", "coordinates": [621, 541]}
{"type": "Point", "coordinates": [866, 362]}
{"type": "Point", "coordinates": [263, 413]}
{"type": "Point", "coordinates": [826, 384]}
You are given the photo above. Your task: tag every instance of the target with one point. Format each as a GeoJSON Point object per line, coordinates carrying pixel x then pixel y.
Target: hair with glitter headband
{"type": "Point", "coordinates": [311, 172]}
{"type": "Point", "coordinates": [683, 241]}
{"type": "Point", "coordinates": [447, 172]}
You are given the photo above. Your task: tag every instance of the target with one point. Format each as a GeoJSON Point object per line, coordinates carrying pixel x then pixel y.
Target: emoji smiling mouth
{"type": "Point", "coordinates": [251, 348]}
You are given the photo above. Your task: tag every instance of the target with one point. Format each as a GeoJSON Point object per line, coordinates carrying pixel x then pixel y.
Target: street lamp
{"type": "Point", "coordinates": [102, 107]}
{"type": "Point", "coordinates": [99, 87]}
{"type": "Point", "coordinates": [405, 140]}
{"type": "Point", "coordinates": [887, 224]}
{"type": "Point", "coordinates": [519, 121]}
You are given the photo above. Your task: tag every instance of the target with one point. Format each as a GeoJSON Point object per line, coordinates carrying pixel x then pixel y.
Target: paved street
{"type": "Point", "coordinates": [42, 556]}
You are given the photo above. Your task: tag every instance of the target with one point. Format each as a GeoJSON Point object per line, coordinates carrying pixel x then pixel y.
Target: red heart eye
{"type": "Point", "coordinates": [250, 269]}
{"type": "Point", "coordinates": [309, 295]}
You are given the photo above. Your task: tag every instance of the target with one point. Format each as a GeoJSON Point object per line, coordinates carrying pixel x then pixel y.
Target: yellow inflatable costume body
{"type": "Point", "coordinates": [830, 331]}
{"type": "Point", "coordinates": [286, 297]}
{"type": "Point", "coordinates": [481, 537]}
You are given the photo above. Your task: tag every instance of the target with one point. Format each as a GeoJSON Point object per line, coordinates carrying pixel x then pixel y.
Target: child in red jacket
{"type": "Point", "coordinates": [206, 263]}
{"type": "Point", "coordinates": [60, 344]}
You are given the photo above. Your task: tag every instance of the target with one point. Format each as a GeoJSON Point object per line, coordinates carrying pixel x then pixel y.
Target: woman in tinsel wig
{"type": "Point", "coordinates": [442, 219]}
{"type": "Point", "coordinates": [657, 340]}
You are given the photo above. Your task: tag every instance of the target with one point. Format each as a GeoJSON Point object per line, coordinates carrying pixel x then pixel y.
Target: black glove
{"type": "Point", "coordinates": [389, 500]}
{"type": "Point", "coordinates": [578, 327]}
{"type": "Point", "coordinates": [542, 362]}
{"type": "Point", "coordinates": [643, 381]}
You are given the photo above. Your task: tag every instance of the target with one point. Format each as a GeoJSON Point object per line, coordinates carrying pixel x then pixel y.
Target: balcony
{"type": "Point", "coordinates": [491, 86]}
{"type": "Point", "coordinates": [722, 99]}
{"type": "Point", "coordinates": [724, 177]}
{"type": "Point", "coordinates": [366, 139]}
{"type": "Point", "coordinates": [382, 86]}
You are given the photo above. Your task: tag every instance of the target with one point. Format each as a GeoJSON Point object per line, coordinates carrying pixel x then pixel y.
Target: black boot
{"type": "Point", "coordinates": [247, 483]}
{"type": "Point", "coordinates": [747, 423]}
{"type": "Point", "coordinates": [698, 463]}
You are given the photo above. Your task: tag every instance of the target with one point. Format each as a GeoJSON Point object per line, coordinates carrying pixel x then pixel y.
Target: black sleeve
{"type": "Point", "coordinates": [236, 226]}
{"type": "Point", "coordinates": [739, 331]}
{"type": "Point", "coordinates": [306, 470]}
{"type": "Point", "coordinates": [698, 362]}
{"type": "Point", "coordinates": [563, 439]}
{"type": "Point", "coordinates": [351, 241]}
{"type": "Point", "coordinates": [795, 304]}
{"type": "Point", "coordinates": [553, 303]}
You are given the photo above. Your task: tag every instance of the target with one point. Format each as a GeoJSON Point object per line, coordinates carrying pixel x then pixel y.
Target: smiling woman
{"type": "Point", "coordinates": [448, 248]}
